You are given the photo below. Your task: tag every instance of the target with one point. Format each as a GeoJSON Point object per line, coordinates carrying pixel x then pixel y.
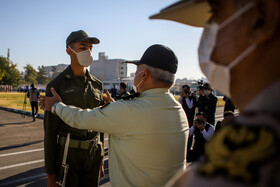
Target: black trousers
{"type": "Point", "coordinates": [34, 105]}
{"type": "Point", "coordinates": [84, 170]}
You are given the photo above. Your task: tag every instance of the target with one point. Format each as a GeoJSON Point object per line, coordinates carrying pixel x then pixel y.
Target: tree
{"type": "Point", "coordinates": [30, 74]}
{"type": "Point", "coordinates": [55, 73]}
{"type": "Point", "coordinates": [9, 74]}
{"type": "Point", "coordinates": [42, 75]}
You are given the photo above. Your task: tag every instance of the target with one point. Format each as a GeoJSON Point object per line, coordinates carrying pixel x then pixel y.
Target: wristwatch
{"type": "Point", "coordinates": [53, 108]}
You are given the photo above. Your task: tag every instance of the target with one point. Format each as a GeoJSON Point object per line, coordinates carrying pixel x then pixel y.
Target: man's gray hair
{"type": "Point", "coordinates": [160, 75]}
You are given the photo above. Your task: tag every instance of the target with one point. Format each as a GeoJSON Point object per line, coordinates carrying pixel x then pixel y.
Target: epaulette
{"type": "Point", "coordinates": [131, 96]}
{"type": "Point", "coordinates": [238, 152]}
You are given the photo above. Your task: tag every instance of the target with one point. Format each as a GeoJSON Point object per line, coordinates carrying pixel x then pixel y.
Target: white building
{"type": "Point", "coordinates": [109, 71]}
{"type": "Point", "coordinates": [51, 70]}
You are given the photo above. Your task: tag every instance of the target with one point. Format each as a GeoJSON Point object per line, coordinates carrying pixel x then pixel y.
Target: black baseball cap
{"type": "Point", "coordinates": [159, 56]}
{"type": "Point", "coordinates": [79, 36]}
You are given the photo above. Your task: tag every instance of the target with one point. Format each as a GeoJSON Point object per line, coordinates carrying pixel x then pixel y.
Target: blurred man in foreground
{"type": "Point", "coordinates": [238, 53]}
{"type": "Point", "coordinates": [149, 146]}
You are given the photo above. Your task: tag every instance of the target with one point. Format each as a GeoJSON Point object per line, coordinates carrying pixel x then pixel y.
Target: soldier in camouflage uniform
{"type": "Point", "coordinates": [79, 88]}
{"type": "Point", "coordinates": [239, 54]}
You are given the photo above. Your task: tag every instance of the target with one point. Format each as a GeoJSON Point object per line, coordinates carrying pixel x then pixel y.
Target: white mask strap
{"type": "Point", "coordinates": [72, 50]}
{"type": "Point", "coordinates": [139, 84]}
{"type": "Point", "coordinates": [242, 56]}
{"type": "Point", "coordinates": [138, 73]}
{"type": "Point", "coordinates": [237, 14]}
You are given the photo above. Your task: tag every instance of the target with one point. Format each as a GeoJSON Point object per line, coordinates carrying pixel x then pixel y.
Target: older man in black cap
{"type": "Point", "coordinates": [148, 133]}
{"type": "Point", "coordinates": [79, 88]}
{"type": "Point", "coordinates": [239, 54]}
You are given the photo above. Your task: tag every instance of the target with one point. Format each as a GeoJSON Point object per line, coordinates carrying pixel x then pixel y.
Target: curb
{"type": "Point", "coordinates": [22, 112]}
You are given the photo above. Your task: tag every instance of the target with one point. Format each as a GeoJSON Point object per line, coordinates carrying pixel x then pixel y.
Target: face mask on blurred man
{"type": "Point", "coordinates": [219, 75]}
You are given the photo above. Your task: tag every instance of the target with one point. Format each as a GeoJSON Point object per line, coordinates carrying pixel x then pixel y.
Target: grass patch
{"type": "Point", "coordinates": [15, 100]}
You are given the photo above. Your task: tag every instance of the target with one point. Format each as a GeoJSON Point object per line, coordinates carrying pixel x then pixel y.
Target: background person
{"type": "Point", "coordinates": [228, 118]}
{"type": "Point", "coordinates": [203, 102]}
{"type": "Point", "coordinates": [229, 106]}
{"type": "Point", "coordinates": [113, 92]}
{"type": "Point", "coordinates": [76, 87]}
{"type": "Point", "coordinates": [123, 91]}
{"type": "Point", "coordinates": [200, 133]}
{"type": "Point", "coordinates": [212, 104]}
{"type": "Point", "coordinates": [149, 147]}
{"type": "Point", "coordinates": [189, 104]}
{"type": "Point", "coordinates": [184, 87]}
{"type": "Point", "coordinates": [33, 95]}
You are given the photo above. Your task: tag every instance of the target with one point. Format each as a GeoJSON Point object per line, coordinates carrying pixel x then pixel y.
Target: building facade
{"type": "Point", "coordinates": [108, 69]}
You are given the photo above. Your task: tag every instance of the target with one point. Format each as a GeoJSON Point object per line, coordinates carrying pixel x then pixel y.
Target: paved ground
{"type": "Point", "coordinates": [21, 150]}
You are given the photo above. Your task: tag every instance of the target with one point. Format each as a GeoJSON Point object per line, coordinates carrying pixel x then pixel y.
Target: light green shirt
{"type": "Point", "coordinates": [148, 136]}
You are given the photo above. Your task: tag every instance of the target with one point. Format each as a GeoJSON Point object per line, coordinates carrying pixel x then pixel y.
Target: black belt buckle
{"type": "Point", "coordinates": [93, 146]}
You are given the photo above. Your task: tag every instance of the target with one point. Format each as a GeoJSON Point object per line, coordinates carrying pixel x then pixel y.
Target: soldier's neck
{"type": "Point", "coordinates": [78, 70]}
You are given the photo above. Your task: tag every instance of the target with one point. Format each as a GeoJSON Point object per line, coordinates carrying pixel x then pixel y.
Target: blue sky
{"type": "Point", "coordinates": [36, 30]}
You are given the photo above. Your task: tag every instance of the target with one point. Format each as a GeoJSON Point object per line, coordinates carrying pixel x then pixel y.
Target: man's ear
{"type": "Point", "coordinates": [266, 20]}
{"type": "Point", "coordinates": [68, 51]}
{"type": "Point", "coordinates": [146, 74]}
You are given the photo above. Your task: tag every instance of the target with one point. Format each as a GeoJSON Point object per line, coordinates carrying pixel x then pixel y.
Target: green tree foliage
{"type": "Point", "coordinates": [42, 75]}
{"type": "Point", "coordinates": [9, 74]}
{"type": "Point", "coordinates": [30, 74]}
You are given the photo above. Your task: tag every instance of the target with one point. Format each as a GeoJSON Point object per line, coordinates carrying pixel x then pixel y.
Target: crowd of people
{"type": "Point", "coordinates": [121, 93]}
{"type": "Point", "coordinates": [200, 111]}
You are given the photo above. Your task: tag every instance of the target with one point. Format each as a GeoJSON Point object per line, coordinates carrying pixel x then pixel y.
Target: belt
{"type": "Point", "coordinates": [79, 144]}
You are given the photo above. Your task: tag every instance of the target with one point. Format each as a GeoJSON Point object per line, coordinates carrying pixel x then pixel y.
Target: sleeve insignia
{"type": "Point", "coordinates": [237, 152]}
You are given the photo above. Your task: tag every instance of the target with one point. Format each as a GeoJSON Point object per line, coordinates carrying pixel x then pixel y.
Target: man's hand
{"type": "Point", "coordinates": [200, 126]}
{"type": "Point", "coordinates": [46, 103]}
{"type": "Point", "coordinates": [108, 98]}
{"type": "Point", "coordinates": [194, 123]}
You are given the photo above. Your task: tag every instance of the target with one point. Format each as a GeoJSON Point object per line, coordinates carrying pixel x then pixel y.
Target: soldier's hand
{"type": "Point", "coordinates": [46, 103]}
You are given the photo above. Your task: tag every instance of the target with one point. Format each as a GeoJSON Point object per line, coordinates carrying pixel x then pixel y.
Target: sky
{"type": "Point", "coordinates": [35, 31]}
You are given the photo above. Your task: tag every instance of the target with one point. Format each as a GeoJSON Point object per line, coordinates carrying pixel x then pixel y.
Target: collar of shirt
{"type": "Point", "coordinates": [70, 75]}
{"type": "Point", "coordinates": [155, 91]}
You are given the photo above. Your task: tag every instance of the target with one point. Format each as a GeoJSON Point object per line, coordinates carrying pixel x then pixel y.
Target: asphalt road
{"type": "Point", "coordinates": [22, 150]}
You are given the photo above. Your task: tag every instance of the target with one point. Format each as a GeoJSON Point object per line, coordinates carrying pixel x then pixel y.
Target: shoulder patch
{"type": "Point", "coordinates": [237, 152]}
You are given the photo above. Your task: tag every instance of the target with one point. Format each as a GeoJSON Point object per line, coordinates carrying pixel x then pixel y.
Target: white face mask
{"type": "Point", "coordinates": [219, 75]}
{"type": "Point", "coordinates": [207, 92]}
{"type": "Point", "coordinates": [136, 86]}
{"type": "Point", "coordinates": [84, 57]}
